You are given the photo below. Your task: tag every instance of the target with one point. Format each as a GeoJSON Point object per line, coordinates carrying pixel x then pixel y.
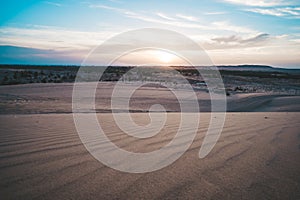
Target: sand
{"type": "Point", "coordinates": [257, 157]}
{"type": "Point", "coordinates": [42, 157]}
{"type": "Point", "coordinates": [57, 98]}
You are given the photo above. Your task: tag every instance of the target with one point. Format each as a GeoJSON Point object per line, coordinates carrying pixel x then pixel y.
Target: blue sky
{"type": "Point", "coordinates": [231, 31]}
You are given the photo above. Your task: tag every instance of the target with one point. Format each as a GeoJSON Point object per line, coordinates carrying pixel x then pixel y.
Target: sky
{"type": "Point", "coordinates": [231, 32]}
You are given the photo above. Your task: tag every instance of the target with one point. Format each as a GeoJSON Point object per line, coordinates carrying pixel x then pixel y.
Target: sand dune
{"type": "Point", "coordinates": [42, 157]}
{"type": "Point", "coordinates": [264, 103]}
{"type": "Point", "coordinates": [57, 98]}
{"type": "Point", "coordinates": [257, 157]}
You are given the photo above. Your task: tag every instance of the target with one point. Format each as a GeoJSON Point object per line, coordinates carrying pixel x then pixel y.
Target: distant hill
{"type": "Point", "coordinates": [259, 68]}
{"type": "Point", "coordinates": [248, 68]}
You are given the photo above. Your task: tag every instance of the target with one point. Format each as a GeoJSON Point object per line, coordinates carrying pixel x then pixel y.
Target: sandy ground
{"type": "Point", "coordinates": [57, 98]}
{"type": "Point", "coordinates": [257, 157]}
{"type": "Point", "coordinates": [42, 157]}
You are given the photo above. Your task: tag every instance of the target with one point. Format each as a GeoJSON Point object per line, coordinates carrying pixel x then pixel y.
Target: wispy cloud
{"type": "Point", "coordinates": [187, 17]}
{"type": "Point", "coordinates": [180, 20]}
{"type": "Point", "coordinates": [272, 50]}
{"type": "Point", "coordinates": [47, 37]}
{"type": "Point", "coordinates": [264, 11]}
{"type": "Point", "coordinates": [292, 12]}
{"type": "Point", "coordinates": [164, 16]}
{"type": "Point", "coordinates": [261, 3]}
{"type": "Point", "coordinates": [262, 40]}
{"type": "Point", "coordinates": [215, 13]}
{"type": "Point", "coordinates": [235, 39]}
{"type": "Point", "coordinates": [106, 7]}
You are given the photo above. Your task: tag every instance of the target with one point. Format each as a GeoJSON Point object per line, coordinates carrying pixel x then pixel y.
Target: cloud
{"type": "Point", "coordinates": [234, 39]}
{"type": "Point", "coordinates": [277, 52]}
{"type": "Point", "coordinates": [261, 3]}
{"type": "Point", "coordinates": [215, 13]}
{"type": "Point", "coordinates": [281, 50]}
{"type": "Point", "coordinates": [187, 17]}
{"type": "Point", "coordinates": [47, 37]}
{"type": "Point", "coordinates": [278, 8]}
{"type": "Point", "coordinates": [164, 16]}
{"type": "Point", "coordinates": [292, 12]}
{"type": "Point", "coordinates": [258, 38]}
{"type": "Point", "coordinates": [180, 20]}
{"type": "Point", "coordinates": [106, 7]}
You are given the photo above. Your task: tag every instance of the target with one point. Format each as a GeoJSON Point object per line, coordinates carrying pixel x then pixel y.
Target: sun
{"type": "Point", "coordinates": [164, 57]}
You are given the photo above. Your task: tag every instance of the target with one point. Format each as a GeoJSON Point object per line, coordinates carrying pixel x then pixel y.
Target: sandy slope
{"type": "Point", "coordinates": [57, 98]}
{"type": "Point", "coordinates": [257, 102]}
{"type": "Point", "coordinates": [257, 157]}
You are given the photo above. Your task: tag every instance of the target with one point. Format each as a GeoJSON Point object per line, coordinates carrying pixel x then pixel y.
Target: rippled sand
{"type": "Point", "coordinates": [257, 157]}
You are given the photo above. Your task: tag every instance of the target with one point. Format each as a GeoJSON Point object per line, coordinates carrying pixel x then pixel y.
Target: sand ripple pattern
{"type": "Point", "coordinates": [257, 157]}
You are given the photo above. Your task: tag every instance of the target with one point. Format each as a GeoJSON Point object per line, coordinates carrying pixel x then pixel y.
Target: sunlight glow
{"type": "Point", "coordinates": [164, 57]}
